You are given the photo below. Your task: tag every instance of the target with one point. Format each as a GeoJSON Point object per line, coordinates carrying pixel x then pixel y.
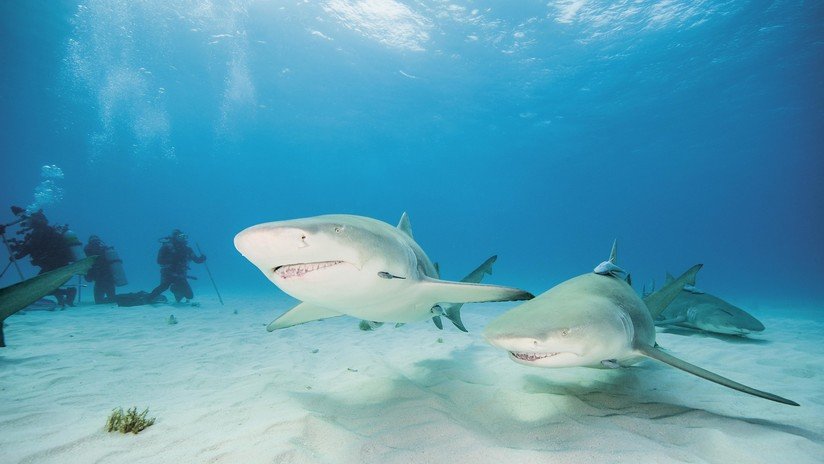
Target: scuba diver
{"type": "Point", "coordinates": [174, 256]}
{"type": "Point", "coordinates": [101, 272]}
{"type": "Point", "coordinates": [50, 247]}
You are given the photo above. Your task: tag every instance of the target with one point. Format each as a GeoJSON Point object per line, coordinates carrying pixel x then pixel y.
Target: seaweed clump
{"type": "Point", "coordinates": [128, 422]}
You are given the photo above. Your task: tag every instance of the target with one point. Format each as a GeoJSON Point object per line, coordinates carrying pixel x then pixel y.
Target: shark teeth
{"type": "Point", "coordinates": [299, 270]}
{"type": "Point", "coordinates": [532, 356]}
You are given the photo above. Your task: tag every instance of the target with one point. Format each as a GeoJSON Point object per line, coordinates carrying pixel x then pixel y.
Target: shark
{"type": "Point", "coordinates": [597, 320]}
{"type": "Point", "coordinates": [343, 264]}
{"type": "Point", "coordinates": [695, 309]}
{"type": "Point", "coordinates": [16, 297]}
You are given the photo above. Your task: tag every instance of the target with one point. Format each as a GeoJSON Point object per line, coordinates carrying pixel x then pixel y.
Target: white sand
{"type": "Point", "coordinates": [226, 391]}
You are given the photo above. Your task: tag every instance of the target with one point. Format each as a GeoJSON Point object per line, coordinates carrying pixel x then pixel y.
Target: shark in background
{"type": "Point", "coordinates": [16, 297]}
{"type": "Point", "coordinates": [597, 320]}
{"type": "Point", "coordinates": [695, 309]}
{"type": "Point", "coordinates": [357, 266]}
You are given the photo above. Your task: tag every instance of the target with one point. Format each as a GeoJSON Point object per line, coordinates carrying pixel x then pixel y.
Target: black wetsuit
{"type": "Point", "coordinates": [174, 258]}
{"type": "Point", "coordinates": [100, 273]}
{"type": "Point", "coordinates": [49, 250]}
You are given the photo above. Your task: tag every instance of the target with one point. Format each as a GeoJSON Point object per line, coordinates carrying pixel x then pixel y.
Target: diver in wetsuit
{"type": "Point", "coordinates": [101, 272]}
{"type": "Point", "coordinates": [174, 256]}
{"type": "Point", "coordinates": [49, 249]}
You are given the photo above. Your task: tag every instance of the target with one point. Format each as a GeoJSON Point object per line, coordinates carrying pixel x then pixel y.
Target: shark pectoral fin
{"type": "Point", "coordinates": [301, 313]}
{"type": "Point", "coordinates": [665, 358]}
{"type": "Point", "coordinates": [438, 322]}
{"type": "Point", "coordinates": [675, 320]}
{"type": "Point", "coordinates": [443, 291]}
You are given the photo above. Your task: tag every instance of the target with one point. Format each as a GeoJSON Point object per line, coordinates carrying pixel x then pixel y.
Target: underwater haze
{"type": "Point", "coordinates": [692, 131]}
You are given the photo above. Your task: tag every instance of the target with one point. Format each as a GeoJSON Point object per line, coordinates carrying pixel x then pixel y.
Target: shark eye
{"type": "Point", "coordinates": [565, 332]}
{"type": "Point", "coordinates": [338, 229]}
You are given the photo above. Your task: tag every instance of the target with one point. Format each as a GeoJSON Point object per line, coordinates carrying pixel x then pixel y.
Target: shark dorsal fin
{"type": "Point", "coordinates": [613, 254]}
{"type": "Point", "coordinates": [405, 226]}
{"type": "Point", "coordinates": [669, 278]}
{"type": "Point", "coordinates": [658, 301]}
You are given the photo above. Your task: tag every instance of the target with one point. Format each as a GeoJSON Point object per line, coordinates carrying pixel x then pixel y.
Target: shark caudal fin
{"type": "Point", "coordinates": [300, 314]}
{"type": "Point", "coordinates": [453, 311]}
{"type": "Point", "coordinates": [443, 291]}
{"type": "Point", "coordinates": [658, 301]}
{"type": "Point", "coordinates": [665, 358]}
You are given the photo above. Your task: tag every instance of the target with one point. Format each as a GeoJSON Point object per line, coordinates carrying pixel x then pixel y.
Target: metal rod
{"type": "Point", "coordinates": [11, 256]}
{"type": "Point", "coordinates": [210, 275]}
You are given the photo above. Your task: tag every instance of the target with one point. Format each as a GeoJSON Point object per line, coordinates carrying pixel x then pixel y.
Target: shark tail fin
{"type": "Point", "coordinates": [453, 311]}
{"type": "Point", "coordinates": [477, 275]}
{"type": "Point", "coordinates": [665, 358]}
{"type": "Point", "coordinates": [443, 291]}
{"type": "Point", "coordinates": [613, 253]}
{"type": "Point", "coordinates": [658, 301]}
{"type": "Point", "coordinates": [404, 225]}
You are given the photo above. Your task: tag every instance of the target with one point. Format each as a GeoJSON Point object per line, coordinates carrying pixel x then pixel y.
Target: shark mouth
{"type": "Point", "coordinates": [289, 271]}
{"type": "Point", "coordinates": [532, 356]}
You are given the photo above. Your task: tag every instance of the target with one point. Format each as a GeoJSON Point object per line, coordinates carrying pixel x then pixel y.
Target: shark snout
{"type": "Point", "coordinates": [511, 342]}
{"type": "Point", "coordinates": [270, 243]}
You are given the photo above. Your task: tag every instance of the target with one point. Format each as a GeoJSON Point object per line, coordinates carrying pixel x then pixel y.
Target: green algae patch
{"type": "Point", "coordinates": [128, 422]}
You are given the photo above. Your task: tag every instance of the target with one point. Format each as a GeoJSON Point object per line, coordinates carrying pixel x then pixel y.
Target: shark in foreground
{"type": "Point", "coordinates": [695, 309]}
{"type": "Point", "coordinates": [16, 297]}
{"type": "Point", "coordinates": [596, 320]}
{"type": "Point", "coordinates": [357, 266]}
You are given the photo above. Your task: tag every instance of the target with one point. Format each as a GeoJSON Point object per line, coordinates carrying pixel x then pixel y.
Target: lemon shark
{"type": "Point", "coordinates": [357, 266]}
{"type": "Point", "coordinates": [596, 320]}
{"type": "Point", "coordinates": [694, 309]}
{"type": "Point", "coordinates": [16, 297]}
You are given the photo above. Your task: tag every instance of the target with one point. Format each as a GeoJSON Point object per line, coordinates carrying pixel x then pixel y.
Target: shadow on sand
{"type": "Point", "coordinates": [497, 401]}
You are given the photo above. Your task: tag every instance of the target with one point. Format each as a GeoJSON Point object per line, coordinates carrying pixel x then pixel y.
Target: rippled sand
{"type": "Point", "coordinates": [226, 391]}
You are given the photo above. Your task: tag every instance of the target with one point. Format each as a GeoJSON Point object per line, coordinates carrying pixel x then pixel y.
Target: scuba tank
{"type": "Point", "coordinates": [75, 247]}
{"type": "Point", "coordinates": [116, 266]}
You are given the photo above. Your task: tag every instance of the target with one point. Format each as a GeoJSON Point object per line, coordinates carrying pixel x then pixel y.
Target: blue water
{"type": "Point", "coordinates": [691, 131]}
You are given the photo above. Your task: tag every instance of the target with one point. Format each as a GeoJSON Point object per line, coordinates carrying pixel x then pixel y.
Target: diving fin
{"type": "Point", "coordinates": [301, 313]}
{"type": "Point", "coordinates": [665, 358]}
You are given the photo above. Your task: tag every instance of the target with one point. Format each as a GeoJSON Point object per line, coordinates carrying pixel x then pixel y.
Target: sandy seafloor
{"type": "Point", "coordinates": [226, 391]}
